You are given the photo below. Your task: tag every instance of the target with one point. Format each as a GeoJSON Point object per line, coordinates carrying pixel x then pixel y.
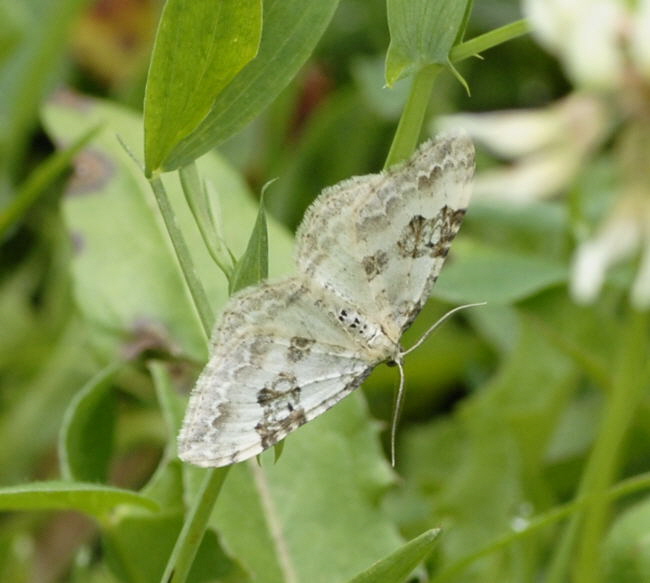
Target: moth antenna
{"type": "Point", "coordinates": [399, 401]}
{"type": "Point", "coordinates": [444, 318]}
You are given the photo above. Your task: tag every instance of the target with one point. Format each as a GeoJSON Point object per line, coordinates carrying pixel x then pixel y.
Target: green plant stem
{"type": "Point", "coordinates": [629, 377]}
{"type": "Point", "coordinates": [624, 488]}
{"type": "Point", "coordinates": [196, 521]}
{"type": "Point", "coordinates": [197, 199]}
{"type": "Point", "coordinates": [410, 123]}
{"type": "Point", "coordinates": [183, 255]}
{"type": "Point", "coordinates": [489, 40]}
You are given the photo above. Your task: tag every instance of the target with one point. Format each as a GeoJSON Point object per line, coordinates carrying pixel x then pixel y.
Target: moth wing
{"type": "Point", "coordinates": [380, 240]}
{"type": "Point", "coordinates": [278, 361]}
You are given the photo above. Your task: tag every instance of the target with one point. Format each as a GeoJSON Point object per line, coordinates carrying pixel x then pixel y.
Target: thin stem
{"type": "Point", "coordinates": [197, 200]}
{"type": "Point", "coordinates": [630, 377]}
{"type": "Point", "coordinates": [189, 539]}
{"type": "Point", "coordinates": [489, 40]}
{"type": "Point", "coordinates": [278, 536]}
{"type": "Point", "coordinates": [183, 255]}
{"type": "Point", "coordinates": [563, 552]}
{"type": "Point", "coordinates": [196, 521]}
{"type": "Point", "coordinates": [624, 488]}
{"type": "Point", "coordinates": [410, 124]}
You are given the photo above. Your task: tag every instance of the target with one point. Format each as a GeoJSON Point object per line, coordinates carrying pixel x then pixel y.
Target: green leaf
{"type": "Point", "coordinates": [537, 228]}
{"type": "Point", "coordinates": [492, 275]}
{"type": "Point", "coordinates": [138, 545]}
{"type": "Point", "coordinates": [29, 71]}
{"type": "Point", "coordinates": [86, 438]}
{"type": "Point", "coordinates": [55, 374]}
{"type": "Point", "coordinates": [291, 30]}
{"type": "Point", "coordinates": [324, 493]}
{"type": "Point", "coordinates": [253, 265]}
{"type": "Point", "coordinates": [91, 499]}
{"type": "Point", "coordinates": [400, 564]}
{"type": "Point", "coordinates": [126, 278]}
{"type": "Point", "coordinates": [17, 564]}
{"type": "Point", "coordinates": [166, 484]}
{"type": "Point", "coordinates": [171, 403]}
{"type": "Point", "coordinates": [626, 550]}
{"type": "Point", "coordinates": [422, 32]}
{"type": "Point", "coordinates": [200, 46]}
{"type": "Point", "coordinates": [480, 463]}
{"type": "Point", "coordinates": [13, 25]}
{"type": "Point", "coordinates": [40, 179]}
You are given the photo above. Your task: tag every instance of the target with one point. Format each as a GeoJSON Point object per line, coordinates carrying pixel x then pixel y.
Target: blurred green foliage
{"type": "Point", "coordinates": [100, 341]}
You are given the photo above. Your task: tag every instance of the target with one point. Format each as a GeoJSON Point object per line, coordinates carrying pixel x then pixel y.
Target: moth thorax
{"type": "Point", "coordinates": [369, 334]}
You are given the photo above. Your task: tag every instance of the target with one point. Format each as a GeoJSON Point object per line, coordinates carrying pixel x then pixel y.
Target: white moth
{"type": "Point", "coordinates": [368, 252]}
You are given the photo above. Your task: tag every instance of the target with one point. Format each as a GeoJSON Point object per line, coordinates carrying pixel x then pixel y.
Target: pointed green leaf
{"type": "Point", "coordinates": [86, 437]}
{"type": "Point", "coordinates": [291, 30]}
{"type": "Point", "coordinates": [200, 46]}
{"type": "Point", "coordinates": [58, 368]}
{"type": "Point", "coordinates": [400, 564]}
{"type": "Point", "coordinates": [91, 499]}
{"type": "Point", "coordinates": [171, 403]}
{"type": "Point", "coordinates": [253, 265]}
{"type": "Point", "coordinates": [422, 32]}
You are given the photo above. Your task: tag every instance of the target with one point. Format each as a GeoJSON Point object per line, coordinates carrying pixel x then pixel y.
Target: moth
{"type": "Point", "coordinates": [368, 252]}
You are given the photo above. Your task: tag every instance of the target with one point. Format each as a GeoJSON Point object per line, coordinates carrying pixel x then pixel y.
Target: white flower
{"type": "Point", "coordinates": [585, 35]}
{"type": "Point", "coordinates": [596, 40]}
{"type": "Point", "coordinates": [546, 147]}
{"type": "Point", "coordinates": [616, 239]}
{"type": "Point", "coordinates": [509, 133]}
{"type": "Point", "coordinates": [604, 46]}
{"type": "Point", "coordinates": [625, 231]}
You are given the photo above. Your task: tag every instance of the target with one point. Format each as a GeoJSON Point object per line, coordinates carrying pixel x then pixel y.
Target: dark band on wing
{"type": "Point", "coordinates": [431, 237]}
{"type": "Point", "coordinates": [282, 410]}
